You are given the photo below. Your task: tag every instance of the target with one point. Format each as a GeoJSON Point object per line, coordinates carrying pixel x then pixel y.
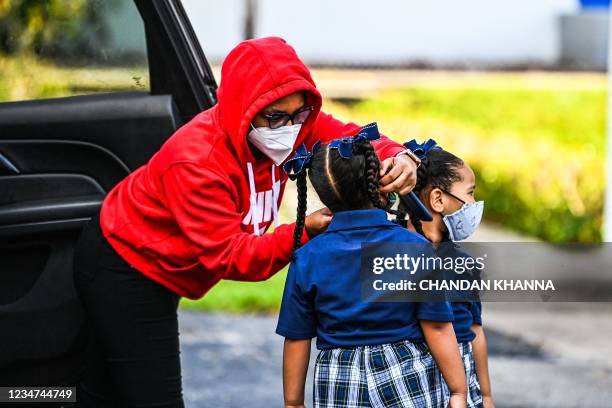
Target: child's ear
{"type": "Point", "coordinates": [436, 200]}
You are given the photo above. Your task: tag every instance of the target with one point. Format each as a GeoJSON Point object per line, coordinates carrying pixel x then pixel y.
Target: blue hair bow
{"type": "Point", "coordinates": [420, 150]}
{"type": "Point", "coordinates": [345, 145]}
{"type": "Point", "coordinates": [300, 160]}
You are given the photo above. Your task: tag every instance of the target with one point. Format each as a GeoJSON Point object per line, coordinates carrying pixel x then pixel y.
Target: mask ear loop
{"type": "Point", "coordinates": [452, 195]}
{"type": "Point", "coordinates": [448, 228]}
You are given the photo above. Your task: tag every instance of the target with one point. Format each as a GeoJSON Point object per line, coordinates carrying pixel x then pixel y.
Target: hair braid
{"type": "Point", "coordinates": [301, 210]}
{"type": "Point", "coordinates": [372, 176]}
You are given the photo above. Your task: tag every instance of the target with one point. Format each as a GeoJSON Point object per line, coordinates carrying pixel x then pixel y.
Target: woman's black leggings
{"type": "Point", "coordinates": [134, 359]}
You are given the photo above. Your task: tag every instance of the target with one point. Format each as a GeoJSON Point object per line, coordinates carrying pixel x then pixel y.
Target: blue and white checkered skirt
{"type": "Point", "coordinates": [397, 375]}
{"type": "Point", "coordinates": [474, 396]}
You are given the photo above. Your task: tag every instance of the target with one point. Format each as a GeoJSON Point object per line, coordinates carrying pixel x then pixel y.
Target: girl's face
{"type": "Point", "coordinates": [461, 190]}
{"type": "Point", "coordinates": [441, 203]}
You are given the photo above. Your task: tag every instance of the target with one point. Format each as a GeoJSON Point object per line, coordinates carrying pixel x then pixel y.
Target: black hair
{"type": "Point", "coordinates": [342, 184]}
{"type": "Point", "coordinates": [438, 168]}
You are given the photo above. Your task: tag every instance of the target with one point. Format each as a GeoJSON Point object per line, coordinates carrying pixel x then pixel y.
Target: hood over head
{"type": "Point", "coordinates": [255, 74]}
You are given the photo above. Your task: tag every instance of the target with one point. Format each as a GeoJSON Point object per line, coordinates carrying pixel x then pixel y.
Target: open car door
{"type": "Point", "coordinates": [58, 159]}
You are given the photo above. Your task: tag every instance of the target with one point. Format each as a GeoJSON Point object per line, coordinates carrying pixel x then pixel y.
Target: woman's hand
{"type": "Point", "coordinates": [398, 174]}
{"type": "Point", "coordinates": [317, 222]}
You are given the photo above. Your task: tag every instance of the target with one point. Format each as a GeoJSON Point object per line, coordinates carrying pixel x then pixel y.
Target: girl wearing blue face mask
{"type": "Point", "coordinates": [445, 185]}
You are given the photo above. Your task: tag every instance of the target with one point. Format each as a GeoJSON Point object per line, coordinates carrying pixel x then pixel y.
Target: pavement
{"type": "Point", "coordinates": [541, 355]}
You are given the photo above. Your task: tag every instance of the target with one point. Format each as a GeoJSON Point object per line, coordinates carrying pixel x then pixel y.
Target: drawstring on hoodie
{"type": "Point", "coordinates": [253, 198]}
{"type": "Point", "coordinates": [275, 193]}
{"type": "Point", "coordinates": [256, 212]}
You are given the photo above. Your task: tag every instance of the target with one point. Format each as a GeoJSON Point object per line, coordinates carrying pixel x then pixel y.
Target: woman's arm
{"type": "Point", "coordinates": [204, 206]}
{"type": "Point", "coordinates": [296, 355]}
{"type": "Point", "coordinates": [481, 358]}
{"type": "Point", "coordinates": [441, 340]}
{"type": "Point", "coordinates": [327, 128]}
{"type": "Point", "coordinates": [398, 173]}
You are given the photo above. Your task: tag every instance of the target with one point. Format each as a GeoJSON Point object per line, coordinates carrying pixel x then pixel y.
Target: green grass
{"type": "Point", "coordinates": [538, 150]}
{"type": "Point", "coordinates": [23, 78]}
{"type": "Point", "coordinates": [242, 297]}
{"type": "Point", "coordinates": [566, 117]}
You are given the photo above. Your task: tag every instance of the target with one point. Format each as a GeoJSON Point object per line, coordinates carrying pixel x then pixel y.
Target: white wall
{"type": "Point", "coordinates": [219, 25]}
{"type": "Point", "coordinates": [391, 31]}
{"type": "Point", "coordinates": [443, 31]}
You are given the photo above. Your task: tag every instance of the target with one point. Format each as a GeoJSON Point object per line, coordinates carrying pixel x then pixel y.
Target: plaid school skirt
{"type": "Point", "coordinates": [398, 375]}
{"type": "Point", "coordinates": [474, 397]}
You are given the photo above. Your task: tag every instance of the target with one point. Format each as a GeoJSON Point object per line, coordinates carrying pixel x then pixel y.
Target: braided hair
{"type": "Point", "coordinates": [438, 168]}
{"type": "Point", "coordinates": [301, 210]}
{"type": "Point", "coordinates": [342, 184]}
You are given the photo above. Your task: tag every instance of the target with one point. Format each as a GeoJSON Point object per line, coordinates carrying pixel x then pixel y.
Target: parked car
{"type": "Point", "coordinates": [58, 159]}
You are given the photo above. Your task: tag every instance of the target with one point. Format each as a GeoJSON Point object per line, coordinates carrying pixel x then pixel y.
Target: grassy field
{"type": "Point", "coordinates": [535, 140]}
{"type": "Point", "coordinates": [242, 297]}
{"type": "Point", "coordinates": [29, 78]}
{"type": "Point", "coordinates": [538, 149]}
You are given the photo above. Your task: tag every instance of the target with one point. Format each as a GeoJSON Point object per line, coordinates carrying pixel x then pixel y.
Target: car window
{"type": "Point", "coordinates": [56, 48]}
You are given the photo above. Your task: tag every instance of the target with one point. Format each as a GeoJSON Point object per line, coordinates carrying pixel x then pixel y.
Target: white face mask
{"type": "Point", "coordinates": [463, 222]}
{"type": "Point", "coordinates": [277, 144]}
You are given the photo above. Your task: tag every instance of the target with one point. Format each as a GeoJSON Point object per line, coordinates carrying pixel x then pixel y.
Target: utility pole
{"type": "Point", "coordinates": [608, 193]}
{"type": "Point", "coordinates": [249, 19]}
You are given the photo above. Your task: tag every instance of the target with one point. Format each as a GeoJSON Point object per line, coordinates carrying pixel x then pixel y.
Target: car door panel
{"type": "Point", "coordinates": [45, 336]}
{"type": "Point", "coordinates": [59, 159]}
{"type": "Point", "coordinates": [127, 127]}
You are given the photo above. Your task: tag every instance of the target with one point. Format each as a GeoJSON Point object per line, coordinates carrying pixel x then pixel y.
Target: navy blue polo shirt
{"type": "Point", "coordinates": [465, 313]}
{"type": "Point", "coordinates": [322, 296]}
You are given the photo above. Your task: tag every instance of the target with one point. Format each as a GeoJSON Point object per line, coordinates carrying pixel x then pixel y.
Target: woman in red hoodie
{"type": "Point", "coordinates": [196, 213]}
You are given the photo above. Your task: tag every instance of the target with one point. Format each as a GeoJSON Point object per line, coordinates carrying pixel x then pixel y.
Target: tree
{"type": "Point", "coordinates": [53, 28]}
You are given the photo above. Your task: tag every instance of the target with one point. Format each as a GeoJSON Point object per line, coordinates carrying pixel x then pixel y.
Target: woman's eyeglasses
{"type": "Point", "coordinates": [280, 119]}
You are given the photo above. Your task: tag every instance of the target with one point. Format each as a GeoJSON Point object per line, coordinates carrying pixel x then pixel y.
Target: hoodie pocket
{"type": "Point", "coordinates": [173, 253]}
{"type": "Point", "coordinates": [179, 268]}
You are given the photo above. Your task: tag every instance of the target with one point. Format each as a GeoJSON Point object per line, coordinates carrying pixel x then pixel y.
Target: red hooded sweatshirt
{"type": "Point", "coordinates": [196, 213]}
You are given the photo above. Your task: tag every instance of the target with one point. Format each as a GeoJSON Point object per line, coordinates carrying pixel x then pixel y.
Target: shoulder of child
{"type": "Point", "coordinates": [405, 235]}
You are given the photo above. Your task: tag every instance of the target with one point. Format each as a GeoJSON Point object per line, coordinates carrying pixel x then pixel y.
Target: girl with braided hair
{"type": "Point", "coordinates": [445, 185]}
{"type": "Point", "coordinates": [362, 169]}
{"type": "Point", "coordinates": [372, 354]}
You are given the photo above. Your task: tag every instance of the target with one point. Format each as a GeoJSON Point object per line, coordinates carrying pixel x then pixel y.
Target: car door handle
{"type": "Point", "coordinates": [7, 164]}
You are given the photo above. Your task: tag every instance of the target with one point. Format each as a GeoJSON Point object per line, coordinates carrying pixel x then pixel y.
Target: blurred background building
{"type": "Point", "coordinates": [405, 33]}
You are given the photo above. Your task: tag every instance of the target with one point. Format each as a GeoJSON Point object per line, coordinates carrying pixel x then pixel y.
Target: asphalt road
{"type": "Point", "coordinates": [542, 355]}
